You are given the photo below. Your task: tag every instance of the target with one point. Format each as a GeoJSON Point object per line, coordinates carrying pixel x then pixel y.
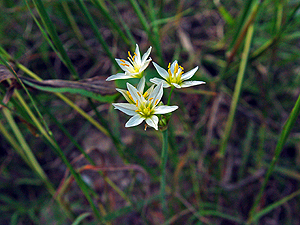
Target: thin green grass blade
{"type": "Point", "coordinates": [54, 36]}
{"type": "Point", "coordinates": [237, 91]}
{"type": "Point", "coordinates": [33, 163]}
{"type": "Point", "coordinates": [123, 22]}
{"type": "Point", "coordinates": [73, 23]}
{"type": "Point", "coordinates": [241, 21]}
{"type": "Point", "coordinates": [80, 218]}
{"type": "Point", "coordinates": [68, 101]}
{"type": "Point", "coordinates": [111, 20]}
{"type": "Point", "coordinates": [273, 206]}
{"type": "Point", "coordinates": [89, 159]}
{"type": "Point", "coordinates": [13, 143]}
{"type": "Point", "coordinates": [95, 29]}
{"type": "Point", "coordinates": [155, 40]}
{"type": "Point", "coordinates": [282, 139]}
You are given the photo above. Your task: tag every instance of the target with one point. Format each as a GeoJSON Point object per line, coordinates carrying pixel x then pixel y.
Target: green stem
{"type": "Point", "coordinates": [164, 159]}
{"type": "Point", "coordinates": [169, 99]}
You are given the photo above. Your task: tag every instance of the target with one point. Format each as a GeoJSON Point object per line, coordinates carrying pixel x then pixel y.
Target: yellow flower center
{"type": "Point", "coordinates": [146, 109]}
{"type": "Point", "coordinates": [176, 76]}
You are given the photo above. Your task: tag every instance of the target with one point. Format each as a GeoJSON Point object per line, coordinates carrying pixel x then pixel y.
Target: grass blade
{"type": "Point", "coordinates": [282, 139]}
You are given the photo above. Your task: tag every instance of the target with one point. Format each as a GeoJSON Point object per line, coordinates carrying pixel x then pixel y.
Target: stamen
{"type": "Point", "coordinates": [150, 99]}
{"type": "Point", "coordinates": [129, 54]}
{"type": "Point", "coordinates": [139, 94]}
{"type": "Point", "coordinates": [137, 110]}
{"type": "Point", "coordinates": [145, 127]}
{"type": "Point", "coordinates": [176, 68]}
{"type": "Point", "coordinates": [122, 60]}
{"type": "Point", "coordinates": [156, 102]}
{"type": "Point", "coordinates": [137, 103]}
{"type": "Point", "coordinates": [124, 64]}
{"type": "Point", "coordinates": [169, 65]}
{"type": "Point", "coordinates": [169, 71]}
{"type": "Point", "coordinates": [145, 94]}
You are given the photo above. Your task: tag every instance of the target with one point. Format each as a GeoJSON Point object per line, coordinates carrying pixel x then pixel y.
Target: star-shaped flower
{"type": "Point", "coordinates": [134, 67]}
{"type": "Point", "coordinates": [144, 109]}
{"type": "Point", "coordinates": [175, 76]}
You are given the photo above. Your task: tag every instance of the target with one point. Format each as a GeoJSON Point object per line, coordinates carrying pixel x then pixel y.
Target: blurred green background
{"type": "Point", "coordinates": [233, 144]}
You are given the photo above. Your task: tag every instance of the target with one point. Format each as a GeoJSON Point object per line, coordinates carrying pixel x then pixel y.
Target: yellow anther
{"type": "Point", "coordinates": [124, 64]}
{"type": "Point", "coordinates": [181, 68]}
{"type": "Point", "coordinates": [150, 99]}
{"type": "Point", "coordinates": [137, 103]}
{"type": "Point", "coordinates": [133, 57]}
{"type": "Point", "coordinates": [137, 110]}
{"type": "Point", "coordinates": [176, 68]}
{"type": "Point", "coordinates": [169, 65]}
{"type": "Point", "coordinates": [139, 94]}
{"type": "Point", "coordinates": [122, 60]}
{"type": "Point", "coordinates": [145, 94]}
{"type": "Point", "coordinates": [169, 71]}
{"type": "Point", "coordinates": [129, 54]}
{"type": "Point", "coordinates": [156, 101]}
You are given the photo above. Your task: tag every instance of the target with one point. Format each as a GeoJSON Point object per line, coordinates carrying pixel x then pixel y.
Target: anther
{"type": "Point", "coordinates": [139, 94]}
{"type": "Point", "coordinates": [137, 103]}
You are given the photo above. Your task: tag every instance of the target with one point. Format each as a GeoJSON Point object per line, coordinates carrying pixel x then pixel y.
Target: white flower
{"type": "Point", "coordinates": [175, 76]}
{"type": "Point", "coordinates": [140, 88]}
{"type": "Point", "coordinates": [144, 109]}
{"type": "Point", "coordinates": [134, 67]}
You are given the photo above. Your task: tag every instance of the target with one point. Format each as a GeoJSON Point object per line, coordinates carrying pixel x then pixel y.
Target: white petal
{"type": "Point", "coordinates": [118, 76]}
{"type": "Point", "coordinates": [141, 85]}
{"type": "Point", "coordinates": [163, 109]}
{"type": "Point", "coordinates": [134, 93]}
{"type": "Point", "coordinates": [126, 108]}
{"type": "Point", "coordinates": [124, 93]}
{"type": "Point", "coordinates": [153, 122]}
{"type": "Point", "coordinates": [134, 121]}
{"type": "Point", "coordinates": [158, 81]}
{"type": "Point", "coordinates": [173, 66]}
{"type": "Point", "coordinates": [150, 89]}
{"type": "Point", "coordinates": [161, 71]}
{"type": "Point", "coordinates": [145, 65]}
{"type": "Point", "coordinates": [191, 83]}
{"type": "Point", "coordinates": [157, 93]}
{"type": "Point", "coordinates": [125, 68]}
{"type": "Point", "coordinates": [146, 55]}
{"type": "Point", "coordinates": [176, 85]}
{"type": "Point", "coordinates": [189, 74]}
{"type": "Point", "coordinates": [138, 55]}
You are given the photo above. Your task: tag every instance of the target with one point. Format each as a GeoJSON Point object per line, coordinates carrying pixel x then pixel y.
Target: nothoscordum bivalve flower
{"type": "Point", "coordinates": [133, 68]}
{"type": "Point", "coordinates": [144, 109]}
{"type": "Point", "coordinates": [175, 76]}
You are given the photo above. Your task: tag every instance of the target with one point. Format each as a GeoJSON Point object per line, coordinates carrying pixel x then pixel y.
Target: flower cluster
{"type": "Point", "coordinates": [145, 106]}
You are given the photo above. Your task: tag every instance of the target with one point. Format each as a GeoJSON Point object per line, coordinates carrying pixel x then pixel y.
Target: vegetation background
{"type": "Point", "coordinates": [233, 143]}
